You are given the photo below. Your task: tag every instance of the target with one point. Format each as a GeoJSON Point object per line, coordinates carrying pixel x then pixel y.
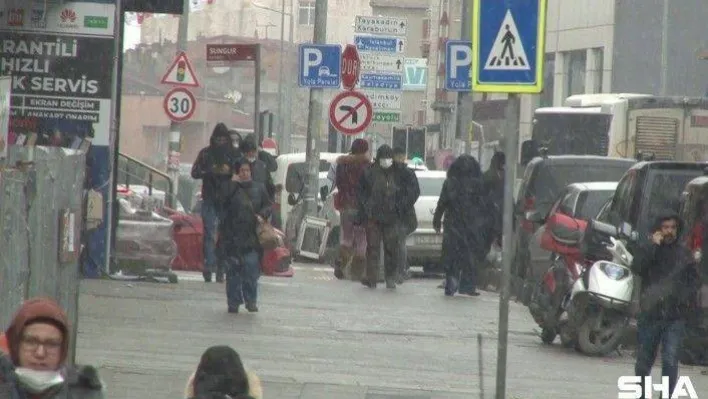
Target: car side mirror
{"type": "Point", "coordinates": [534, 217]}
{"type": "Point", "coordinates": [625, 231]}
{"type": "Point", "coordinates": [291, 199]}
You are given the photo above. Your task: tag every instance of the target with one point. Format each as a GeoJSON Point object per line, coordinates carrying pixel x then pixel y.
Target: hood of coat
{"type": "Point", "coordinates": [34, 310]}
{"type": "Point", "coordinates": [254, 385]}
{"type": "Point", "coordinates": [357, 159]}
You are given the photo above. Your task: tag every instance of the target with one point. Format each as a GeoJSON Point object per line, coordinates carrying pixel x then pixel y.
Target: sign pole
{"type": "Point", "coordinates": [173, 151]}
{"type": "Point", "coordinates": [460, 128]}
{"type": "Point", "coordinates": [511, 149]}
{"type": "Point", "coordinates": [314, 118]}
{"type": "Point", "coordinates": [257, 96]}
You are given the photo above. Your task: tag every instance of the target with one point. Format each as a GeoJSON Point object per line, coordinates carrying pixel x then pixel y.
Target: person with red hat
{"type": "Point", "coordinates": [33, 362]}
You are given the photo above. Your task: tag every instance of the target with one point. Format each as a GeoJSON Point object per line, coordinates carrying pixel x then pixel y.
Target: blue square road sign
{"type": "Point", "coordinates": [458, 60]}
{"type": "Point", "coordinates": [319, 65]}
{"type": "Point", "coordinates": [508, 45]}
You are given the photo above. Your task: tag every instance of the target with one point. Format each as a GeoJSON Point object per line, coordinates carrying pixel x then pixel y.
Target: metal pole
{"type": "Point", "coordinates": [664, 49]}
{"type": "Point", "coordinates": [281, 72]}
{"type": "Point", "coordinates": [257, 96]}
{"type": "Point", "coordinates": [512, 154]}
{"type": "Point", "coordinates": [175, 137]}
{"type": "Point", "coordinates": [314, 118]}
{"type": "Point", "coordinates": [465, 32]}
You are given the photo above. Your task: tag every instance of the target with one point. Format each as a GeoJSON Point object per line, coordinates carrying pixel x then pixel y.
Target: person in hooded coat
{"type": "Point", "coordinates": [464, 215]}
{"type": "Point", "coordinates": [260, 171]}
{"type": "Point", "coordinates": [352, 241]}
{"type": "Point", "coordinates": [670, 284]}
{"type": "Point", "coordinates": [494, 181]}
{"type": "Point", "coordinates": [215, 166]}
{"type": "Point", "coordinates": [33, 365]}
{"type": "Point", "coordinates": [221, 375]}
{"type": "Point", "coordinates": [246, 206]}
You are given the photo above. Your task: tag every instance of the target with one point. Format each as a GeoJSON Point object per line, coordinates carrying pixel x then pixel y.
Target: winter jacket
{"type": "Point", "coordinates": [238, 227]}
{"type": "Point", "coordinates": [215, 165]}
{"type": "Point", "coordinates": [254, 385]}
{"type": "Point", "coordinates": [348, 173]}
{"type": "Point", "coordinates": [79, 383]}
{"type": "Point", "coordinates": [669, 276]}
{"type": "Point", "coordinates": [387, 195]}
{"type": "Point", "coordinates": [260, 174]}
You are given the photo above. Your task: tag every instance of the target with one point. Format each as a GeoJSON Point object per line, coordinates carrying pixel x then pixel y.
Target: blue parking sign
{"type": "Point", "coordinates": [319, 65]}
{"type": "Point", "coordinates": [458, 63]}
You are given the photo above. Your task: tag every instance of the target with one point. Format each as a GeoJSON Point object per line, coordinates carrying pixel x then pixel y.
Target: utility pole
{"type": "Point", "coordinates": [461, 131]}
{"type": "Point", "coordinates": [664, 49]}
{"type": "Point", "coordinates": [511, 137]}
{"type": "Point", "coordinates": [173, 152]}
{"type": "Point", "coordinates": [314, 118]}
{"type": "Point", "coordinates": [281, 74]}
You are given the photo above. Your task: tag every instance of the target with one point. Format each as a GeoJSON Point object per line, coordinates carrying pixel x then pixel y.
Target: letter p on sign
{"type": "Point", "coordinates": [461, 57]}
{"type": "Point", "coordinates": [313, 58]}
{"type": "Point", "coordinates": [630, 387]}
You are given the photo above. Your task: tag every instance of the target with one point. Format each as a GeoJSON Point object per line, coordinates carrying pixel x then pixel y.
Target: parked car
{"type": "Point", "coordinates": [424, 245]}
{"type": "Point", "coordinates": [544, 179]}
{"type": "Point", "coordinates": [577, 203]}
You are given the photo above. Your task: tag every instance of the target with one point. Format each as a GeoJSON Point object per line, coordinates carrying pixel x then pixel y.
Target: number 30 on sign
{"type": "Point", "coordinates": [179, 104]}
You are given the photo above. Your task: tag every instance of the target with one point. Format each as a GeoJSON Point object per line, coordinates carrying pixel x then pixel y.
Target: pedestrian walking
{"type": "Point", "coordinates": [260, 170]}
{"type": "Point", "coordinates": [463, 214]}
{"type": "Point", "coordinates": [351, 263]}
{"type": "Point", "coordinates": [669, 287]}
{"type": "Point", "coordinates": [246, 206]}
{"type": "Point", "coordinates": [222, 375]}
{"type": "Point", "coordinates": [410, 219]}
{"type": "Point", "coordinates": [215, 167]}
{"type": "Point", "coordinates": [384, 195]}
{"type": "Point", "coordinates": [34, 362]}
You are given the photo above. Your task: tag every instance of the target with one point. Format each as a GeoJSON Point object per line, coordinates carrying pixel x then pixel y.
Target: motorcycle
{"type": "Point", "coordinates": [597, 310]}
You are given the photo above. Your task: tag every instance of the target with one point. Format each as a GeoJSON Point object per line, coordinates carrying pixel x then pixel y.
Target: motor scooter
{"type": "Point", "coordinates": [597, 310]}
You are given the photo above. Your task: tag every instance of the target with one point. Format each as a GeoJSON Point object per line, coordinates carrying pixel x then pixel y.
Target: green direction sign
{"type": "Point", "coordinates": [387, 117]}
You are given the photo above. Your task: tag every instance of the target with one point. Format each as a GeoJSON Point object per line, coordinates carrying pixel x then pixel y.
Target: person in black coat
{"type": "Point", "coordinates": [670, 281]}
{"type": "Point", "coordinates": [464, 216]}
{"type": "Point", "coordinates": [214, 166]}
{"type": "Point", "coordinates": [246, 206]}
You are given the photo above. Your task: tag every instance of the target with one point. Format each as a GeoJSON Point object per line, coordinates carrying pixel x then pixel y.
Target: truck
{"type": "Point", "coordinates": [625, 125]}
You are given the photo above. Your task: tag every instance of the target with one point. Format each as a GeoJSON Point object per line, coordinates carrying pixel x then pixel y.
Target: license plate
{"type": "Point", "coordinates": [428, 240]}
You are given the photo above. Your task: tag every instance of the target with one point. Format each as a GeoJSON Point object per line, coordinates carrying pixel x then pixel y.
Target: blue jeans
{"type": "Point", "coordinates": [210, 220]}
{"type": "Point", "coordinates": [652, 332]}
{"type": "Point", "coordinates": [242, 275]}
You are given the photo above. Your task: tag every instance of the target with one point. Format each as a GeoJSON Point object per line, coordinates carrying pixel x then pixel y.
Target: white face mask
{"type": "Point", "coordinates": [386, 163]}
{"type": "Point", "coordinates": [251, 160]}
{"type": "Point", "coordinates": [38, 381]}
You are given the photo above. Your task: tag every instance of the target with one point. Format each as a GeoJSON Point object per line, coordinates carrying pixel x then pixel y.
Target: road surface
{"type": "Point", "coordinates": [319, 338]}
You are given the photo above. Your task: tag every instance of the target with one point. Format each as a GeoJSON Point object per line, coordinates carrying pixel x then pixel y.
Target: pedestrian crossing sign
{"type": "Point", "coordinates": [508, 46]}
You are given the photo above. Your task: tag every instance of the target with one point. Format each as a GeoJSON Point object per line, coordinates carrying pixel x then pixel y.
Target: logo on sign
{"type": "Point", "coordinates": [631, 387]}
{"type": "Point", "coordinates": [68, 19]}
{"type": "Point", "coordinates": [16, 17]}
{"type": "Point", "coordinates": [95, 22]}
{"type": "Point", "coordinates": [38, 18]}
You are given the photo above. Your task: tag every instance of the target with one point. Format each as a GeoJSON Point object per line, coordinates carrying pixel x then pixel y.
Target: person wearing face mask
{"type": "Point", "coordinates": [259, 170]}
{"type": "Point", "coordinates": [384, 195]}
{"type": "Point", "coordinates": [214, 165]}
{"type": "Point", "coordinates": [34, 363]}
{"type": "Point", "coordinates": [247, 205]}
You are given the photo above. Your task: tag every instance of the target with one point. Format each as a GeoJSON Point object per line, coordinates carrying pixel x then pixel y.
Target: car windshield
{"type": "Point", "coordinates": [553, 178]}
{"type": "Point", "coordinates": [590, 203]}
{"type": "Point", "coordinates": [430, 186]}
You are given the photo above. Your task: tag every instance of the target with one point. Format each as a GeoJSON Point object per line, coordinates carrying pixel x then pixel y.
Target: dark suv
{"type": "Point", "coordinates": [544, 179]}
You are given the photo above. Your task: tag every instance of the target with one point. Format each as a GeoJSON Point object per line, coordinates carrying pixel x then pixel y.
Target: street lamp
{"type": "Point", "coordinates": [281, 72]}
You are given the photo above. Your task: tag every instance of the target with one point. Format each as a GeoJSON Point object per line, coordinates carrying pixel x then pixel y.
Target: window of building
{"type": "Point", "coordinates": [306, 14]}
{"type": "Point", "coordinates": [599, 69]}
{"type": "Point", "coordinates": [546, 97]}
{"type": "Point", "coordinates": [576, 72]}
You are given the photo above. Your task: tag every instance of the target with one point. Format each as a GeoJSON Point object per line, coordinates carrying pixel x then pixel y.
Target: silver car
{"type": "Point", "coordinates": [424, 245]}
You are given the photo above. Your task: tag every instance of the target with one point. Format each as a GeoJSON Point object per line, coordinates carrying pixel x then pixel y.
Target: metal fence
{"type": "Point", "coordinates": [41, 219]}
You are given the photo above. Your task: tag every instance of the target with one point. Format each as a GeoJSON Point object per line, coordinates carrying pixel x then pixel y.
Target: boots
{"type": "Point", "coordinates": [340, 266]}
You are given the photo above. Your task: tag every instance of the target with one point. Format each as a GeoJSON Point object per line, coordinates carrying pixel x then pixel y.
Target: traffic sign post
{"type": "Point", "coordinates": [180, 73]}
{"type": "Point", "coordinates": [350, 112]}
{"type": "Point", "coordinates": [508, 43]}
{"type": "Point", "coordinates": [319, 65]}
{"type": "Point", "coordinates": [179, 104]}
{"type": "Point", "coordinates": [458, 60]}
{"type": "Point", "coordinates": [351, 67]}
{"type": "Point", "coordinates": [381, 47]}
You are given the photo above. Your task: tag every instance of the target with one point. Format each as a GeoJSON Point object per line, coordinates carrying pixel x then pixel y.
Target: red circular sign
{"type": "Point", "coordinates": [350, 112]}
{"type": "Point", "coordinates": [179, 104]}
{"type": "Point", "coordinates": [269, 143]}
{"type": "Point", "coordinates": [351, 66]}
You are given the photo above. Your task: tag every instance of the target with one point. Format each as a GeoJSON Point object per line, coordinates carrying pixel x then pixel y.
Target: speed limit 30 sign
{"type": "Point", "coordinates": [179, 104]}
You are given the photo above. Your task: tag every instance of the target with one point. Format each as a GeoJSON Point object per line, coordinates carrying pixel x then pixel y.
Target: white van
{"type": "Point", "coordinates": [293, 167]}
